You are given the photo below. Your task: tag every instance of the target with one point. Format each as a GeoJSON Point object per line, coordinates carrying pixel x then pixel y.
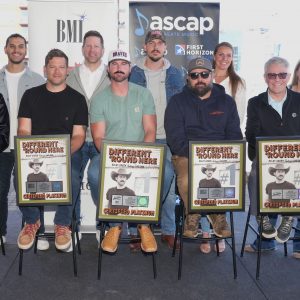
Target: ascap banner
{"type": "Point", "coordinates": [191, 29]}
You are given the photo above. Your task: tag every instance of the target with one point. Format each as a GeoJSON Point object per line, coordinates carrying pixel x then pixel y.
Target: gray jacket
{"type": "Point", "coordinates": [73, 80]}
{"type": "Point", "coordinates": [27, 81]}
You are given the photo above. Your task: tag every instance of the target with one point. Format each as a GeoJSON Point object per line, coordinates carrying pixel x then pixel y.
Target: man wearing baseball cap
{"type": "Point", "coordinates": [164, 80]}
{"type": "Point", "coordinates": [123, 111]}
{"type": "Point", "coordinates": [201, 112]}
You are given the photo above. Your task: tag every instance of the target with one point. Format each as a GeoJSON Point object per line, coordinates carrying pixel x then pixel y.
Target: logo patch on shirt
{"type": "Point", "coordinates": [137, 109]}
{"type": "Point", "coordinates": [216, 113]}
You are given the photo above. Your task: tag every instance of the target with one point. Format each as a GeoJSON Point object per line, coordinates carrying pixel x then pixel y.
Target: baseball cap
{"type": "Point", "coordinates": [118, 54]}
{"type": "Point", "coordinates": [155, 34]}
{"type": "Point", "coordinates": [199, 63]}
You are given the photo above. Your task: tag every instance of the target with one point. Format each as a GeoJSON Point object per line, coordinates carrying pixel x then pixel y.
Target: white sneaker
{"type": "Point", "coordinates": [3, 239]}
{"type": "Point", "coordinates": [42, 244]}
{"type": "Point", "coordinates": [70, 249]}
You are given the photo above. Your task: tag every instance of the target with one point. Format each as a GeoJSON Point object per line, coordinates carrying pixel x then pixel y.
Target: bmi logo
{"type": "Point", "coordinates": [180, 49]}
{"type": "Point", "coordinates": [69, 31]}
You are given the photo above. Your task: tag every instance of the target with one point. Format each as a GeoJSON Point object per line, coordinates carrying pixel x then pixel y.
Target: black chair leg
{"type": "Point", "coordinates": [259, 248]}
{"type": "Point", "coordinates": [2, 244]}
{"type": "Point", "coordinates": [102, 233]}
{"type": "Point", "coordinates": [233, 246]}
{"type": "Point", "coordinates": [245, 233]}
{"type": "Point", "coordinates": [20, 261]}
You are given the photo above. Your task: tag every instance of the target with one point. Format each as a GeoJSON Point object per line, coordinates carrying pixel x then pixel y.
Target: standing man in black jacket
{"type": "Point", "coordinates": [275, 112]}
{"type": "Point", "coordinates": [202, 111]}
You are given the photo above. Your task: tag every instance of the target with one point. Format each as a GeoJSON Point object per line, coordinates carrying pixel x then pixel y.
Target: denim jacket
{"type": "Point", "coordinates": [174, 80]}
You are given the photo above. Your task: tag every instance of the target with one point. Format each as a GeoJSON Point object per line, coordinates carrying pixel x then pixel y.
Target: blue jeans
{"type": "Point", "coordinates": [169, 196]}
{"type": "Point", "coordinates": [205, 225]}
{"type": "Point", "coordinates": [63, 215]}
{"type": "Point", "coordinates": [266, 244]}
{"type": "Point", "coordinates": [296, 244]}
{"type": "Point", "coordinates": [7, 161]}
{"type": "Point", "coordinates": [88, 151]}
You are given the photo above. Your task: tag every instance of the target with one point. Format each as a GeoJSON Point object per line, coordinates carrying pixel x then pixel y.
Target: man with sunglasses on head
{"type": "Point", "coordinates": [275, 112]}
{"type": "Point", "coordinates": [201, 112]}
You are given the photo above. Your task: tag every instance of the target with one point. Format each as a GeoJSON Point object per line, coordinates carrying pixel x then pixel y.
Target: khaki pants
{"type": "Point", "coordinates": [181, 166]}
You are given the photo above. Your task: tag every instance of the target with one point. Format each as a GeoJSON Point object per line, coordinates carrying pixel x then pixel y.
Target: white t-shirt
{"type": "Point", "coordinates": [12, 80]}
{"type": "Point", "coordinates": [90, 79]}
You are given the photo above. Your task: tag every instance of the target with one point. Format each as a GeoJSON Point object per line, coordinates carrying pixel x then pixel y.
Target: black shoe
{"type": "Point", "coordinates": [284, 230]}
{"type": "Point", "coordinates": [268, 231]}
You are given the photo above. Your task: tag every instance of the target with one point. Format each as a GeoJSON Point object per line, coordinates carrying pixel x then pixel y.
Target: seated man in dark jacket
{"type": "Point", "coordinates": [201, 112]}
{"type": "Point", "coordinates": [4, 125]}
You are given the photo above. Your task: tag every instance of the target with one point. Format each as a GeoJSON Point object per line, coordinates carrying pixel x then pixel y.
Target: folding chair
{"type": "Point", "coordinates": [179, 220]}
{"type": "Point", "coordinates": [259, 236]}
{"type": "Point", "coordinates": [74, 229]}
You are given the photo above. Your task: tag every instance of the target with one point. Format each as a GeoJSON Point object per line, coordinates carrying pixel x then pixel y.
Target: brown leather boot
{"type": "Point", "coordinates": [111, 239]}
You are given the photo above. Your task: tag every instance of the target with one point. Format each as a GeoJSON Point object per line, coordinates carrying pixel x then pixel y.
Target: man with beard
{"type": "Point", "coordinates": [15, 79]}
{"type": "Point", "coordinates": [164, 81]}
{"type": "Point", "coordinates": [201, 112]}
{"type": "Point", "coordinates": [123, 111]}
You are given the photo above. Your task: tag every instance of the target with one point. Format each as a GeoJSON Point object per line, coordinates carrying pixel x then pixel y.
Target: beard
{"type": "Point", "coordinates": [200, 89]}
{"type": "Point", "coordinates": [119, 76]}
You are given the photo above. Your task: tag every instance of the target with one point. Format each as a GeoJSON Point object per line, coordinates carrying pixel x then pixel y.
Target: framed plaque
{"type": "Point", "coordinates": [43, 170]}
{"type": "Point", "coordinates": [216, 176]}
{"type": "Point", "coordinates": [278, 177]}
{"type": "Point", "coordinates": [131, 182]}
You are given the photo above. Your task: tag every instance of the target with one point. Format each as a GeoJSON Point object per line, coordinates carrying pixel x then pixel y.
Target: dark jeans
{"type": "Point", "coordinates": [88, 151]}
{"type": "Point", "coordinates": [63, 215]}
{"type": "Point", "coordinates": [7, 161]}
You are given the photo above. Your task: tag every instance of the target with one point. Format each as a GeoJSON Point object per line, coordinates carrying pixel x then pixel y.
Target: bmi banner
{"type": "Point", "coordinates": [191, 29]}
{"type": "Point", "coordinates": [62, 24]}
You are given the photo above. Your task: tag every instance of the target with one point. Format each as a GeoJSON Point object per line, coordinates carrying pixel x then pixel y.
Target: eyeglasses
{"type": "Point", "coordinates": [196, 75]}
{"type": "Point", "coordinates": [273, 76]}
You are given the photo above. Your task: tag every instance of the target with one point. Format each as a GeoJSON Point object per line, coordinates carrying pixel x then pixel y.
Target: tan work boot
{"type": "Point", "coordinates": [148, 242]}
{"type": "Point", "coordinates": [27, 235]}
{"type": "Point", "coordinates": [63, 238]}
{"type": "Point", "coordinates": [219, 224]}
{"type": "Point", "coordinates": [191, 225]}
{"type": "Point", "coordinates": [111, 239]}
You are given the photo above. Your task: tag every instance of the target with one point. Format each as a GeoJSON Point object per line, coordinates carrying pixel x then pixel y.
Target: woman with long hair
{"type": "Point", "coordinates": [295, 85]}
{"type": "Point", "coordinates": [225, 75]}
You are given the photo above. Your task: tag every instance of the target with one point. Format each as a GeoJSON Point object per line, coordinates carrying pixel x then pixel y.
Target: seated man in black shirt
{"type": "Point", "coordinates": [48, 109]}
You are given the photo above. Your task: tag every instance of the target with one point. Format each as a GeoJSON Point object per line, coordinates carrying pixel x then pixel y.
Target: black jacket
{"type": "Point", "coordinates": [4, 125]}
{"type": "Point", "coordinates": [187, 118]}
{"type": "Point", "coordinates": [263, 120]}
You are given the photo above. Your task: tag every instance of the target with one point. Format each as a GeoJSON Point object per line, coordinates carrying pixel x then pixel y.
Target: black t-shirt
{"type": "Point", "coordinates": [53, 113]}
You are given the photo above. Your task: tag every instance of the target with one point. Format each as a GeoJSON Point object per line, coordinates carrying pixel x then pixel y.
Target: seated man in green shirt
{"type": "Point", "coordinates": [123, 111]}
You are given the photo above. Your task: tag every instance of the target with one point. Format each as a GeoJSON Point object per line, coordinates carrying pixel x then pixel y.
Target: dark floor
{"type": "Point", "coordinates": [49, 274]}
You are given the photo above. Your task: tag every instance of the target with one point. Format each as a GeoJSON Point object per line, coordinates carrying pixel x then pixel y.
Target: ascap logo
{"type": "Point", "coordinates": [69, 31]}
{"type": "Point", "coordinates": [168, 23]}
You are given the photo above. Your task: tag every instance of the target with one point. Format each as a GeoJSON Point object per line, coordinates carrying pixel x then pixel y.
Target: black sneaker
{"type": "Point", "coordinates": [284, 230]}
{"type": "Point", "coordinates": [268, 231]}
